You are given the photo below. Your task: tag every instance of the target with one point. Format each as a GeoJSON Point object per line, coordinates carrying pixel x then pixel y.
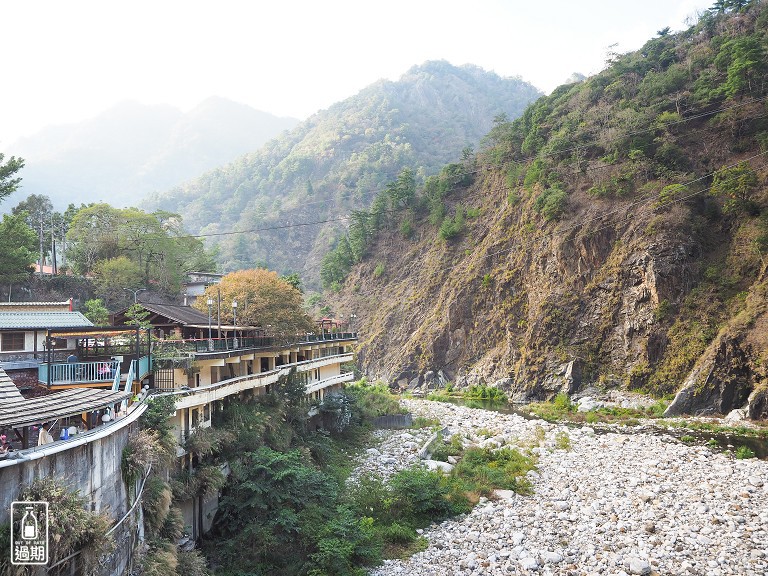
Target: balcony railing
{"type": "Point", "coordinates": [60, 373]}
{"type": "Point", "coordinates": [202, 345]}
{"type": "Point", "coordinates": [63, 373]}
{"type": "Point", "coordinates": [145, 366]}
{"type": "Point", "coordinates": [78, 372]}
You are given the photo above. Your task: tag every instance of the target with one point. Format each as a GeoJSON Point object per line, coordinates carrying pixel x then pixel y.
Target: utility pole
{"type": "Point", "coordinates": [218, 310]}
{"type": "Point", "coordinates": [42, 261]}
{"type": "Point", "coordinates": [53, 248]}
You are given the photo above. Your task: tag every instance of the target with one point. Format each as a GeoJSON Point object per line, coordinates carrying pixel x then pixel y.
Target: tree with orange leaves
{"type": "Point", "coordinates": [263, 299]}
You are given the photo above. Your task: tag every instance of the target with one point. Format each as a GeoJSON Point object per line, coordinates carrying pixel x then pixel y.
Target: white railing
{"type": "Point", "coordinates": [79, 372]}
{"type": "Point", "coordinates": [189, 397]}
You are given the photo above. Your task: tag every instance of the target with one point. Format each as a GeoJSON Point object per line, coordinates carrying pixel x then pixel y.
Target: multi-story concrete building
{"type": "Point", "coordinates": [199, 373]}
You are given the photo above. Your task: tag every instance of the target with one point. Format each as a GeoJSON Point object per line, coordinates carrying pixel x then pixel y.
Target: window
{"type": "Point", "coordinates": [12, 341]}
{"type": "Point", "coordinates": [164, 379]}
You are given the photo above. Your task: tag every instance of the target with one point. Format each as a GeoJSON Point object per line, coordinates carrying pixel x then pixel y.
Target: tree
{"type": "Point", "coordinates": [17, 249]}
{"type": "Point", "coordinates": [379, 212]}
{"type": "Point", "coordinates": [551, 203]}
{"type": "Point", "coordinates": [8, 183]}
{"type": "Point", "coordinates": [263, 299]}
{"type": "Point", "coordinates": [747, 64]}
{"type": "Point", "coordinates": [337, 263]}
{"type": "Point", "coordinates": [92, 237]}
{"type": "Point", "coordinates": [137, 315]}
{"type": "Point", "coordinates": [37, 207]}
{"type": "Point", "coordinates": [738, 184]}
{"type": "Point", "coordinates": [360, 233]}
{"type": "Point", "coordinates": [96, 312]}
{"type": "Point", "coordinates": [293, 279]}
{"type": "Point", "coordinates": [291, 390]}
{"type": "Point", "coordinates": [402, 191]}
{"type": "Point", "coordinates": [37, 210]}
{"type": "Point", "coordinates": [114, 274]}
{"type": "Point", "coordinates": [156, 244]}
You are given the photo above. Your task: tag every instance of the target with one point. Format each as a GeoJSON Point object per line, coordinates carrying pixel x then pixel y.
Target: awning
{"type": "Point", "coordinates": [23, 412]}
{"type": "Point", "coordinates": [91, 333]}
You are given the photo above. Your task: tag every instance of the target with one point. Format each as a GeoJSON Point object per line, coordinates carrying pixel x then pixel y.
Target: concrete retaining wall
{"type": "Point", "coordinates": [393, 421]}
{"type": "Point", "coordinates": [89, 464]}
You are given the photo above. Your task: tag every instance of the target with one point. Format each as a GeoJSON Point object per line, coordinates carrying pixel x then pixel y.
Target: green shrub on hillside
{"type": "Point", "coordinates": [483, 392]}
{"type": "Point", "coordinates": [452, 227]}
{"type": "Point", "coordinates": [551, 203]}
{"type": "Point", "coordinates": [738, 184]}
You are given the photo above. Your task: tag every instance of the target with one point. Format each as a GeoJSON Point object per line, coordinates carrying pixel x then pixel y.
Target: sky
{"type": "Point", "coordinates": [64, 62]}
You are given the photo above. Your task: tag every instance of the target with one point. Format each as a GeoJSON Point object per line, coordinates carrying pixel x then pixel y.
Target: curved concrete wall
{"type": "Point", "coordinates": [88, 463]}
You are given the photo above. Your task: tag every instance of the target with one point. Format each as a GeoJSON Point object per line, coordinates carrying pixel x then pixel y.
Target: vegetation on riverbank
{"type": "Point", "coordinates": [287, 508]}
{"type": "Point", "coordinates": [562, 409]}
{"type": "Point", "coordinates": [478, 396]}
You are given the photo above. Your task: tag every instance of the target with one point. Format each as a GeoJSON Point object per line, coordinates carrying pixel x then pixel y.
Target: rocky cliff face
{"type": "Point", "coordinates": [601, 245]}
{"type": "Point", "coordinates": [535, 310]}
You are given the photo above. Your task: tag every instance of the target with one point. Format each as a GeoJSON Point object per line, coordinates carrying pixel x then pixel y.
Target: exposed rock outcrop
{"type": "Point", "coordinates": [722, 381]}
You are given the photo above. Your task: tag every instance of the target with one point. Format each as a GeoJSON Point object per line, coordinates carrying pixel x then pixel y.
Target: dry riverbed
{"type": "Point", "coordinates": [609, 503]}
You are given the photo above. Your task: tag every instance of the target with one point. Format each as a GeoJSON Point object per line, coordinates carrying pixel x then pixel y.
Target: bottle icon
{"type": "Point", "coordinates": [29, 526]}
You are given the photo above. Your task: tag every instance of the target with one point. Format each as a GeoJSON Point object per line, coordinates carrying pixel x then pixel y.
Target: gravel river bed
{"type": "Point", "coordinates": [611, 503]}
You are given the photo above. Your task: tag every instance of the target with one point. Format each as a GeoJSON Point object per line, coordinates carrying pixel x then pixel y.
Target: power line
{"type": "Point", "coordinates": [476, 171]}
{"type": "Point", "coordinates": [529, 158]}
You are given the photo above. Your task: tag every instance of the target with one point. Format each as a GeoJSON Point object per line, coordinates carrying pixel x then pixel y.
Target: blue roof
{"type": "Point", "coordinates": [42, 320]}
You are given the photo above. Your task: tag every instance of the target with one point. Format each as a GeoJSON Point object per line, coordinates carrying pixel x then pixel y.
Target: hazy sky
{"type": "Point", "coordinates": [64, 61]}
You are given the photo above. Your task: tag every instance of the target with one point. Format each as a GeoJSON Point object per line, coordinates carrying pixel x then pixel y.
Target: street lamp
{"type": "Point", "coordinates": [135, 293]}
{"type": "Point", "coordinates": [234, 322]}
{"type": "Point", "coordinates": [352, 319]}
{"type": "Point", "coordinates": [210, 340]}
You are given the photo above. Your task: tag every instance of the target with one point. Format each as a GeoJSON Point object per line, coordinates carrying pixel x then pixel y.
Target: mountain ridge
{"type": "Point", "coordinates": [334, 162]}
{"type": "Point", "coordinates": [131, 150]}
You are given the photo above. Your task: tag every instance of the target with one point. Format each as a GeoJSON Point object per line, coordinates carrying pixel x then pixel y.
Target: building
{"type": "Point", "coordinates": [169, 321]}
{"type": "Point", "coordinates": [201, 382]}
{"type": "Point", "coordinates": [196, 284]}
{"type": "Point", "coordinates": [24, 327]}
{"type": "Point", "coordinates": [200, 374]}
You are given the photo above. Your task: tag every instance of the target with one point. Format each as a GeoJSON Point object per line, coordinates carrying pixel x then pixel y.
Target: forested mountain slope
{"type": "Point", "coordinates": [617, 233]}
{"type": "Point", "coordinates": [133, 149]}
{"type": "Point", "coordinates": [336, 161]}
